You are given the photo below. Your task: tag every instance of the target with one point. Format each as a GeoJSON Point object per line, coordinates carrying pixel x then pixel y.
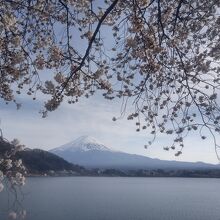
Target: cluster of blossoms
{"type": "Point", "coordinates": [165, 62]}
{"type": "Point", "coordinates": [17, 215]}
{"type": "Point", "coordinates": [10, 167]}
{"type": "Point", "coordinates": [162, 55]}
{"type": "Point", "coordinates": [12, 170]}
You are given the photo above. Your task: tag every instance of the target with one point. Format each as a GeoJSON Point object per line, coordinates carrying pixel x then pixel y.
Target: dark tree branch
{"type": "Point", "coordinates": [177, 15]}
{"type": "Point", "coordinates": [107, 12]}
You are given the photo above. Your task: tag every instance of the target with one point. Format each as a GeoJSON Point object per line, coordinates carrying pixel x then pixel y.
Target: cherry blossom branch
{"type": "Point", "coordinates": [107, 12]}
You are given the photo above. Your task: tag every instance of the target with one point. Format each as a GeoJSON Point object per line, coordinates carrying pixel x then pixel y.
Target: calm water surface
{"type": "Point", "coordinates": [99, 198]}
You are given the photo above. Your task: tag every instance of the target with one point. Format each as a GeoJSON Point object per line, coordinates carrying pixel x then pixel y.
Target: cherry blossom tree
{"type": "Point", "coordinates": [162, 55]}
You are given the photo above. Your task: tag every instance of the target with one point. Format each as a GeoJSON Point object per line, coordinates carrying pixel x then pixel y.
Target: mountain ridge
{"type": "Point", "coordinates": [40, 162]}
{"type": "Point", "coordinates": [97, 155]}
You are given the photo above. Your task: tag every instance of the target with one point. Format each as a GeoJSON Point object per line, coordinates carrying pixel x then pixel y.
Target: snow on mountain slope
{"type": "Point", "coordinates": [83, 143]}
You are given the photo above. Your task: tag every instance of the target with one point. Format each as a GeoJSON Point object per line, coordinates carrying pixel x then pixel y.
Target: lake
{"type": "Point", "coordinates": [116, 198]}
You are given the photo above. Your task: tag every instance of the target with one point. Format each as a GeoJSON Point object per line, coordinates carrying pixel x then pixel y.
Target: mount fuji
{"type": "Point", "coordinates": [82, 144]}
{"type": "Point", "coordinates": [90, 153]}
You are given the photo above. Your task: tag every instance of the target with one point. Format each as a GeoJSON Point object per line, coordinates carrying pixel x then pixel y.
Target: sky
{"type": "Point", "coordinates": [92, 117]}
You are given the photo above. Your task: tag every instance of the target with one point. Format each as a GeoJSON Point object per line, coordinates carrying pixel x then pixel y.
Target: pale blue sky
{"type": "Point", "coordinates": [92, 117]}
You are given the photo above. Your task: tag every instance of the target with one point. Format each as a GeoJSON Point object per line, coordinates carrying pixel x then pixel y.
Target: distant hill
{"type": "Point", "coordinates": [88, 152]}
{"type": "Point", "coordinates": [39, 161]}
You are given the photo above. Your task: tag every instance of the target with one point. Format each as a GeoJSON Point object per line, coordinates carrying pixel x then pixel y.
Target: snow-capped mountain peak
{"type": "Point", "coordinates": [87, 151]}
{"type": "Point", "coordinates": [83, 143]}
